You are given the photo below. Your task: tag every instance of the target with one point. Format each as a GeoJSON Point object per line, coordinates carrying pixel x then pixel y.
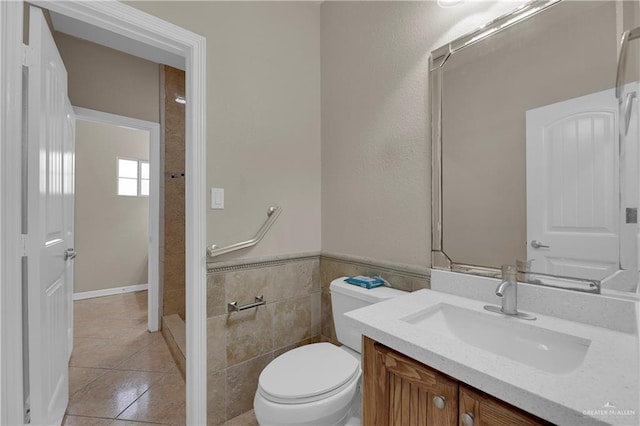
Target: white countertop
{"type": "Point", "coordinates": [607, 377]}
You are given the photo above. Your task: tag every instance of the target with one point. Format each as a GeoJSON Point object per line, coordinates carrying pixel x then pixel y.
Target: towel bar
{"type": "Point", "coordinates": [234, 307]}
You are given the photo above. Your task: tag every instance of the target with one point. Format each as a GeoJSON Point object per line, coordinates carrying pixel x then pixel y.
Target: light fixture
{"type": "Point", "coordinates": [180, 100]}
{"type": "Point", "coordinates": [449, 3]}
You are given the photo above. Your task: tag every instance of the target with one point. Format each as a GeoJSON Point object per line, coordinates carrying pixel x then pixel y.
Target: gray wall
{"type": "Point", "coordinates": [375, 134]}
{"type": "Point", "coordinates": [263, 106]}
{"type": "Point", "coordinates": [111, 231]}
{"type": "Point", "coordinates": [107, 80]}
{"type": "Point", "coordinates": [266, 64]}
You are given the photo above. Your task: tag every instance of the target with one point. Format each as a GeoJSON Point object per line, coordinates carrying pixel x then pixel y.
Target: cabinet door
{"type": "Point", "coordinates": [399, 391]}
{"type": "Point", "coordinates": [479, 409]}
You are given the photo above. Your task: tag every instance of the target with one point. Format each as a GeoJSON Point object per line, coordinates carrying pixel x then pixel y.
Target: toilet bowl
{"type": "Point", "coordinates": [319, 384]}
{"type": "Point", "coordinates": [313, 385]}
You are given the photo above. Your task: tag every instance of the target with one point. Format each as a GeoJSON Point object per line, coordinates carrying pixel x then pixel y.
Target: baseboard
{"type": "Point", "coordinates": [109, 291]}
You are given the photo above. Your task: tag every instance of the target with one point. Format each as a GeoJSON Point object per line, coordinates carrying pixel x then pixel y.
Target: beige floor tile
{"type": "Point", "coordinates": [107, 353]}
{"type": "Point", "coordinates": [79, 377]}
{"type": "Point", "coordinates": [155, 357]}
{"type": "Point", "coordinates": [163, 402]}
{"type": "Point", "coordinates": [108, 328]}
{"type": "Point", "coordinates": [136, 300]}
{"type": "Point", "coordinates": [115, 361]}
{"type": "Point", "coordinates": [85, 421]}
{"type": "Point", "coordinates": [121, 306]}
{"type": "Point", "coordinates": [246, 419]}
{"type": "Point", "coordinates": [112, 393]}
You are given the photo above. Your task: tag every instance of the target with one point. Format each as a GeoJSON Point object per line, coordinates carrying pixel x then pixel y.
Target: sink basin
{"type": "Point", "coordinates": [547, 350]}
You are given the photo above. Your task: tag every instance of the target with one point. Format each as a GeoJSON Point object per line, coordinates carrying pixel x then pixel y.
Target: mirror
{"type": "Point", "coordinates": [533, 156]}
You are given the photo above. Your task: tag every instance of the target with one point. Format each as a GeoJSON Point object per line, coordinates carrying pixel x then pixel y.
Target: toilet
{"type": "Point", "coordinates": [319, 384]}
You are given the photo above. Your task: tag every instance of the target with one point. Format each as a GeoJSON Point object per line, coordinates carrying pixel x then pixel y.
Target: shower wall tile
{"type": "Point", "coordinates": [173, 193]}
{"type": "Point", "coordinates": [316, 313]}
{"type": "Point", "coordinates": [243, 286]}
{"type": "Point", "coordinates": [216, 304]}
{"type": "Point", "coordinates": [216, 398]}
{"type": "Point", "coordinates": [291, 321]}
{"type": "Point", "coordinates": [216, 340]}
{"type": "Point", "coordinates": [242, 382]}
{"type": "Point", "coordinates": [249, 334]}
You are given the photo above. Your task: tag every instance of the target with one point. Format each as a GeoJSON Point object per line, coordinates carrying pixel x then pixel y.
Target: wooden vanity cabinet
{"type": "Point", "coordinates": [480, 409]}
{"type": "Point", "coordinates": [399, 391]}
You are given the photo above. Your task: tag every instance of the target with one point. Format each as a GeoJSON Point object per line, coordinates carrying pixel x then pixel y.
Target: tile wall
{"type": "Point", "coordinates": [172, 200]}
{"type": "Point", "coordinates": [298, 312]}
{"type": "Point", "coordinates": [241, 344]}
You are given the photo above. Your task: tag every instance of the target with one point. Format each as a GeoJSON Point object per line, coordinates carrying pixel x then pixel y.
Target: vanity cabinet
{"type": "Point", "coordinates": [480, 409]}
{"type": "Point", "coordinates": [399, 391]}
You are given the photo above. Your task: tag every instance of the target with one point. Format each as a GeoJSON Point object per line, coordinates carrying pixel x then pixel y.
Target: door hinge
{"type": "Point", "coordinates": [28, 55]}
{"type": "Point", "coordinates": [631, 215]}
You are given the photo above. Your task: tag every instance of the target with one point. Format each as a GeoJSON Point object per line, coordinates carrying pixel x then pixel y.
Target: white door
{"type": "Point", "coordinates": [573, 187]}
{"type": "Point", "coordinates": [69, 172]}
{"type": "Point", "coordinates": [48, 232]}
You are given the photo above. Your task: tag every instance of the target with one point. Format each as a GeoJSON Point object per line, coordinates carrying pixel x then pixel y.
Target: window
{"type": "Point", "coordinates": [133, 178]}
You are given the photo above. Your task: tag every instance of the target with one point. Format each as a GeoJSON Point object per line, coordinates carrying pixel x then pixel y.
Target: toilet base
{"type": "Point", "coordinates": [337, 410]}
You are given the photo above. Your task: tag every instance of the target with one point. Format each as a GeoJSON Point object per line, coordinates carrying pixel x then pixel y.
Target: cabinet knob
{"type": "Point", "coordinates": [439, 402]}
{"type": "Point", "coordinates": [467, 419]}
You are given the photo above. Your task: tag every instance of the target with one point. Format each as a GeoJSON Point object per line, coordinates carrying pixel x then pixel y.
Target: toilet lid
{"type": "Point", "coordinates": [308, 371]}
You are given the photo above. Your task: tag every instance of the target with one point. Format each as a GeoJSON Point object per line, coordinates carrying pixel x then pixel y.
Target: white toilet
{"type": "Point", "coordinates": [319, 384]}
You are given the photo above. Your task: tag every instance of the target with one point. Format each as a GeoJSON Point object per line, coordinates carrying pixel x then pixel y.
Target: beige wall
{"type": "Point", "coordinates": [107, 80]}
{"type": "Point", "coordinates": [565, 52]}
{"type": "Point", "coordinates": [110, 230]}
{"type": "Point", "coordinates": [375, 135]}
{"type": "Point", "coordinates": [263, 106]}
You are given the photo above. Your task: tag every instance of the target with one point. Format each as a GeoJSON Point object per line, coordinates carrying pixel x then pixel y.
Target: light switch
{"type": "Point", "coordinates": [217, 198]}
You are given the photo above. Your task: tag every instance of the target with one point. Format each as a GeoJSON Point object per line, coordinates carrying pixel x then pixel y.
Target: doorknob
{"type": "Point", "coordinates": [70, 254]}
{"type": "Point", "coordinates": [537, 244]}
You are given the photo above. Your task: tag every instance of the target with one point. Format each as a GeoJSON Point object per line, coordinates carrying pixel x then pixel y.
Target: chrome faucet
{"type": "Point", "coordinates": [507, 291]}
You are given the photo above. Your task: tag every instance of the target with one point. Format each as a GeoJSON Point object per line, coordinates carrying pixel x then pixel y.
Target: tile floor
{"type": "Point", "coordinates": [120, 374]}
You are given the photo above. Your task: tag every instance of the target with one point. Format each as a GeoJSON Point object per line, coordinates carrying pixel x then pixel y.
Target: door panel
{"type": "Point", "coordinates": [69, 207]}
{"type": "Point", "coordinates": [573, 180]}
{"type": "Point", "coordinates": [47, 239]}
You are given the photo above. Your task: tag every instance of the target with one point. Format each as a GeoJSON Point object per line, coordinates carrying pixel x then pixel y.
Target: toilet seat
{"type": "Point", "coordinates": [308, 373]}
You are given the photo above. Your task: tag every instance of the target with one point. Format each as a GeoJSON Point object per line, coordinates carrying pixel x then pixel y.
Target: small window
{"type": "Point", "coordinates": [133, 178]}
{"type": "Point", "coordinates": [144, 178]}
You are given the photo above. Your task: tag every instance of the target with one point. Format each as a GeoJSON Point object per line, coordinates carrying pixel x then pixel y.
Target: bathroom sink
{"type": "Point", "coordinates": [547, 350]}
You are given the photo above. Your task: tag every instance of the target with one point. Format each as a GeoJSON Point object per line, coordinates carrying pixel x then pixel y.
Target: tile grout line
{"type": "Point", "coordinates": [115, 368]}
{"type": "Point", "coordinates": [134, 401]}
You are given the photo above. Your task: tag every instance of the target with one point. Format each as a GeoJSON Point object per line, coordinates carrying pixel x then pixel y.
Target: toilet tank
{"type": "Point", "coordinates": [347, 297]}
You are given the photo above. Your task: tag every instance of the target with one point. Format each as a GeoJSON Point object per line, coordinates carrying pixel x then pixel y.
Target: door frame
{"type": "Point", "coordinates": [154, 296]}
{"type": "Point", "coordinates": [139, 26]}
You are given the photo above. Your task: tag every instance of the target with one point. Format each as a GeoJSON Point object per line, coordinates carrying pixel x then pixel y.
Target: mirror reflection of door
{"type": "Point", "coordinates": [573, 187]}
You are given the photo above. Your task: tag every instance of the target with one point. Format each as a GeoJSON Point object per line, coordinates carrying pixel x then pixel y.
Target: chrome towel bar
{"type": "Point", "coordinates": [272, 215]}
{"type": "Point", "coordinates": [234, 307]}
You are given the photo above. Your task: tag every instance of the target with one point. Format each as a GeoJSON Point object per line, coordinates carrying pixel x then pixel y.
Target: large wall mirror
{"type": "Point", "coordinates": [534, 158]}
